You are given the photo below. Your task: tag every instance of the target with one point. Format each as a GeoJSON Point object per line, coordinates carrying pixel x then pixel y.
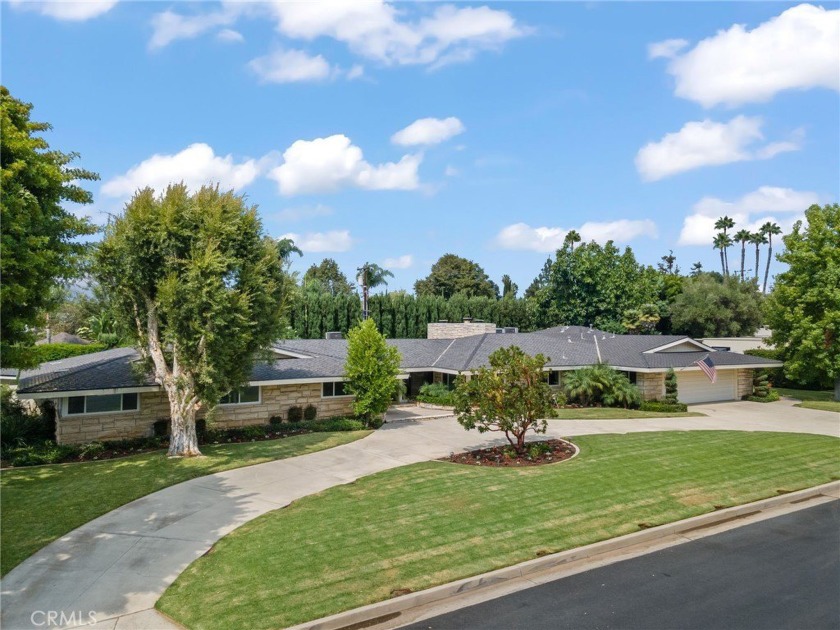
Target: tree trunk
{"type": "Point", "coordinates": [757, 259]}
{"type": "Point", "coordinates": [743, 256]}
{"type": "Point", "coordinates": [769, 258]}
{"type": "Point", "coordinates": [183, 441]}
{"type": "Point", "coordinates": [722, 263]}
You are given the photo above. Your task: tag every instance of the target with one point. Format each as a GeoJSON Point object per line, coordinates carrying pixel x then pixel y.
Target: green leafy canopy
{"type": "Point", "coordinates": [371, 371]}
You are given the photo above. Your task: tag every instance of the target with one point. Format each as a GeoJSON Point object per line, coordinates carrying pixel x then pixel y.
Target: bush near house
{"type": "Point", "coordinates": [600, 385]}
{"type": "Point", "coordinates": [38, 451]}
{"type": "Point", "coordinates": [19, 425]}
{"type": "Point", "coordinates": [436, 394]}
{"type": "Point", "coordinates": [663, 406]}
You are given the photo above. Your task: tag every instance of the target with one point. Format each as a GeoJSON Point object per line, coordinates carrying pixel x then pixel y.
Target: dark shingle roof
{"type": "Point", "coordinates": [564, 347]}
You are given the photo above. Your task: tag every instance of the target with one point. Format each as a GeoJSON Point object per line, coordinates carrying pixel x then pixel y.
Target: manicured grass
{"type": "Point", "coordinates": [820, 400]}
{"type": "Point", "coordinates": [426, 524]}
{"type": "Point", "coordinates": [42, 503]}
{"type": "Point", "coordinates": [612, 413]}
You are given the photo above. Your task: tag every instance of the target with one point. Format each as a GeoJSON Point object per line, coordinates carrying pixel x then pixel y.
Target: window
{"type": "Point", "coordinates": [109, 403]}
{"type": "Point", "coordinates": [552, 377]}
{"type": "Point", "coordinates": [448, 380]}
{"type": "Point", "coordinates": [241, 396]}
{"type": "Point", "coordinates": [333, 389]}
{"type": "Point", "coordinates": [631, 376]}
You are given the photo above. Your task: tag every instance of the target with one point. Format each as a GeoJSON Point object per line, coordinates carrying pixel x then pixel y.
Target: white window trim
{"type": "Point", "coordinates": [250, 402]}
{"type": "Point", "coordinates": [65, 405]}
{"type": "Point", "coordinates": [334, 396]}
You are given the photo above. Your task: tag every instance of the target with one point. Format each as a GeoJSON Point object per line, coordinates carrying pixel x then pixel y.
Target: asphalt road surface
{"type": "Point", "coordinates": [782, 573]}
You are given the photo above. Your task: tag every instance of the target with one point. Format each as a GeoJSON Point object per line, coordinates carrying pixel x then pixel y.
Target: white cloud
{"type": "Point", "coordinates": [67, 10]}
{"type": "Point", "coordinates": [372, 29]}
{"type": "Point", "coordinates": [195, 166]}
{"type": "Point", "coordinates": [290, 66]}
{"type": "Point", "coordinates": [521, 236]}
{"type": "Point", "coordinates": [303, 213]}
{"type": "Point", "coordinates": [708, 143]}
{"type": "Point", "coordinates": [667, 49]}
{"type": "Point", "coordinates": [355, 72]}
{"type": "Point", "coordinates": [315, 242]}
{"type": "Point", "coordinates": [329, 164]}
{"type": "Point", "coordinates": [768, 203]}
{"type": "Point", "coordinates": [229, 36]}
{"type": "Point", "coordinates": [796, 50]}
{"type": "Point", "coordinates": [401, 262]}
{"type": "Point", "coordinates": [427, 131]}
{"type": "Point", "coordinates": [451, 171]}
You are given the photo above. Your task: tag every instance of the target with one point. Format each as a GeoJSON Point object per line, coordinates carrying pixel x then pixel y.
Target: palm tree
{"type": "Point", "coordinates": [742, 236]}
{"type": "Point", "coordinates": [371, 276]}
{"type": "Point", "coordinates": [758, 239]}
{"type": "Point", "coordinates": [721, 242]}
{"type": "Point", "coordinates": [769, 229]}
{"type": "Point", "coordinates": [572, 237]}
{"type": "Point", "coordinates": [724, 223]}
{"type": "Point", "coordinates": [286, 247]}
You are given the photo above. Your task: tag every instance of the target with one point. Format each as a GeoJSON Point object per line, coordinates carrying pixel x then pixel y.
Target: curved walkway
{"type": "Point", "coordinates": [116, 566]}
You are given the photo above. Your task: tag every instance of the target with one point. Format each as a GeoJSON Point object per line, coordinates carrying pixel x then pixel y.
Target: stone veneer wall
{"type": "Point", "coordinates": [652, 386]}
{"type": "Point", "coordinates": [745, 383]}
{"type": "Point", "coordinates": [275, 401]}
{"type": "Point", "coordinates": [452, 330]}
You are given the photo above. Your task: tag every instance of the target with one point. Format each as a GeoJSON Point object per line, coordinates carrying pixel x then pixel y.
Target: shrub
{"type": "Point", "coordinates": [560, 399]}
{"type": "Point", "coordinates": [20, 426]}
{"type": "Point", "coordinates": [771, 396]}
{"type": "Point", "coordinates": [274, 421]}
{"type": "Point", "coordinates": [436, 394]}
{"type": "Point", "coordinates": [671, 393]}
{"type": "Point", "coordinates": [538, 449]}
{"type": "Point", "coordinates": [663, 406]}
{"type": "Point", "coordinates": [295, 414]}
{"type": "Point", "coordinates": [253, 432]}
{"type": "Point", "coordinates": [600, 384]}
{"type": "Point", "coordinates": [310, 412]}
{"type": "Point", "coordinates": [333, 424]}
{"type": "Point", "coordinates": [91, 450]}
{"type": "Point", "coordinates": [56, 351]}
{"type": "Point", "coordinates": [761, 388]}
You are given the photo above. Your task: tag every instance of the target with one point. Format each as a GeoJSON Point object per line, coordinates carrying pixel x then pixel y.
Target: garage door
{"type": "Point", "coordinates": [695, 387]}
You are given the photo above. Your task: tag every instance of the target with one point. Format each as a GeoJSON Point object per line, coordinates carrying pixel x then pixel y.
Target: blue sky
{"type": "Point", "coordinates": [395, 133]}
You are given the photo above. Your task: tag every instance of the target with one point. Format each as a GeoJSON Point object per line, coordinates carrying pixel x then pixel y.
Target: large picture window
{"type": "Point", "coordinates": [241, 396]}
{"type": "Point", "coordinates": [552, 377]}
{"type": "Point", "coordinates": [333, 389]}
{"type": "Point", "coordinates": [110, 403]}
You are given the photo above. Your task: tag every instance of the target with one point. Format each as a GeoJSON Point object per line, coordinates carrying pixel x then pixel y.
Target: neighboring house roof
{"type": "Point", "coordinates": [8, 374]}
{"type": "Point", "coordinates": [63, 337]}
{"type": "Point", "coordinates": [565, 347]}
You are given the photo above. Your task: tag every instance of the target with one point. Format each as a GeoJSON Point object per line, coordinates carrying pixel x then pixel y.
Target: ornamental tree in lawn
{"type": "Point", "coordinates": [803, 310]}
{"type": "Point", "coordinates": [510, 396]}
{"type": "Point", "coordinates": [371, 371]}
{"type": "Point", "coordinates": [200, 287]}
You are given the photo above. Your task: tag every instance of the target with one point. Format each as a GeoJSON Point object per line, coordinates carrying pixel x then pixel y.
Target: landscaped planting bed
{"type": "Point", "coordinates": [418, 526]}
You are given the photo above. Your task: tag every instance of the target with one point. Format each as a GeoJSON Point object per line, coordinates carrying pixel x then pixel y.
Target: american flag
{"type": "Point", "coordinates": [707, 365]}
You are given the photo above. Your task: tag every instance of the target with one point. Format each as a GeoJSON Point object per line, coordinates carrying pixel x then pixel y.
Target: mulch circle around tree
{"type": "Point", "coordinates": [536, 454]}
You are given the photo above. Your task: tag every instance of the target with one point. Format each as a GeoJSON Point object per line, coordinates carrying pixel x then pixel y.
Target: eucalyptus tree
{"type": "Point", "coordinates": [758, 239]}
{"type": "Point", "coordinates": [742, 236]}
{"type": "Point", "coordinates": [200, 288]}
{"type": "Point", "coordinates": [769, 229]}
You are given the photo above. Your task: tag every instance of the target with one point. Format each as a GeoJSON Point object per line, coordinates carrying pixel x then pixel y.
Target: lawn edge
{"type": "Point", "coordinates": [368, 615]}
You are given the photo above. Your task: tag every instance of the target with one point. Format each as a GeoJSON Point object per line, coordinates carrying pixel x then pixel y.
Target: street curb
{"type": "Point", "coordinates": [380, 611]}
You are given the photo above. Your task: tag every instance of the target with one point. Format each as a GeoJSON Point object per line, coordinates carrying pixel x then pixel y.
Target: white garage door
{"type": "Point", "coordinates": [695, 387]}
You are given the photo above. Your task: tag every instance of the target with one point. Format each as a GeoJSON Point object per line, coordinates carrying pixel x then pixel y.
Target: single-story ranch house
{"type": "Point", "coordinates": [102, 396]}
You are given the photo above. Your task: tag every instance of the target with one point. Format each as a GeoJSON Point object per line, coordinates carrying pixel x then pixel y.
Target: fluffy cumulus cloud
{"type": "Point", "coordinates": [290, 66]}
{"type": "Point", "coordinates": [67, 10]}
{"type": "Point", "coordinates": [317, 242]}
{"type": "Point", "coordinates": [195, 166]}
{"type": "Point", "coordinates": [329, 164]}
{"type": "Point", "coordinates": [708, 143]}
{"type": "Point", "coordinates": [400, 262]}
{"type": "Point", "coordinates": [768, 203]}
{"type": "Point", "coordinates": [427, 131]}
{"type": "Point", "coordinates": [372, 29]}
{"type": "Point", "coordinates": [521, 236]}
{"type": "Point", "coordinates": [796, 50]}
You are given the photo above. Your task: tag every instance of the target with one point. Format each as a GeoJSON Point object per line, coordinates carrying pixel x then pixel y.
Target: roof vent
{"type": "Point", "coordinates": [507, 330]}
{"type": "Point", "coordinates": [334, 335]}
{"type": "Point", "coordinates": [468, 320]}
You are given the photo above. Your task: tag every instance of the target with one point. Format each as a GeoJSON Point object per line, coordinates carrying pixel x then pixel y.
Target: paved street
{"type": "Point", "coordinates": [781, 573]}
{"type": "Point", "coordinates": [119, 564]}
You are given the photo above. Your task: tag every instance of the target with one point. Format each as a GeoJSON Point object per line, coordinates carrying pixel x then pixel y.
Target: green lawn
{"type": "Point", "coordinates": [821, 400]}
{"type": "Point", "coordinates": [42, 503]}
{"type": "Point", "coordinates": [612, 413]}
{"type": "Point", "coordinates": [431, 523]}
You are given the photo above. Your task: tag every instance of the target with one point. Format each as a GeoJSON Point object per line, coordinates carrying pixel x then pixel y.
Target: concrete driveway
{"type": "Point", "coordinates": [118, 565]}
